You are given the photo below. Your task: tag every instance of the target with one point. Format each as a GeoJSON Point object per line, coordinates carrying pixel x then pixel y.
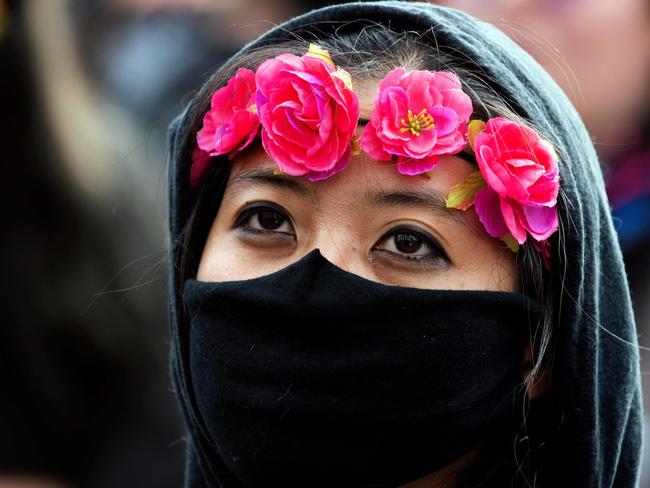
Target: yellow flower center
{"type": "Point", "coordinates": [417, 123]}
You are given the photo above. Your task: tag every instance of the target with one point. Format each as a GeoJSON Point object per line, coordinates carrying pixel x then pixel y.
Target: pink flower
{"type": "Point", "coordinates": [200, 164]}
{"type": "Point", "coordinates": [417, 116]}
{"type": "Point", "coordinates": [308, 112]}
{"type": "Point", "coordinates": [231, 123]}
{"type": "Point", "coordinates": [521, 172]}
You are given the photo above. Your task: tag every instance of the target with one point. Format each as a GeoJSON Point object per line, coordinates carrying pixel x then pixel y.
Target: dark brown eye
{"type": "Point", "coordinates": [265, 218]}
{"type": "Point", "coordinates": [412, 246]}
{"type": "Point", "coordinates": [408, 243]}
{"type": "Point", "coordinates": [270, 219]}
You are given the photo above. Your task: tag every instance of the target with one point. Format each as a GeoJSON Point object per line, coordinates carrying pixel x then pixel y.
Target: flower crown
{"type": "Point", "coordinates": [307, 113]}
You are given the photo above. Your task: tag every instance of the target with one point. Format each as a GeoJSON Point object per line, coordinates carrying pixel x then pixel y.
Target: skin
{"type": "Point", "coordinates": [335, 216]}
{"type": "Point", "coordinates": [349, 217]}
{"type": "Point", "coordinates": [369, 220]}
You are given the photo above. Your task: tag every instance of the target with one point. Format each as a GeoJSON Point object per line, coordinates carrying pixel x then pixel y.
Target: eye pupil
{"type": "Point", "coordinates": [270, 219]}
{"type": "Point", "coordinates": [407, 243]}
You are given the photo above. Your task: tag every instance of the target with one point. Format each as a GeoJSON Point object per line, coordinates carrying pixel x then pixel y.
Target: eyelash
{"type": "Point", "coordinates": [437, 253]}
{"type": "Point", "coordinates": [252, 210]}
{"type": "Point", "coordinates": [242, 224]}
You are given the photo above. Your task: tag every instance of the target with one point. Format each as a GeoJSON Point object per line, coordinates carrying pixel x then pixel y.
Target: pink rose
{"type": "Point", "coordinates": [231, 123]}
{"type": "Point", "coordinates": [308, 113]}
{"type": "Point", "coordinates": [417, 116]}
{"type": "Point", "coordinates": [521, 172]}
{"type": "Point", "coordinates": [200, 164]}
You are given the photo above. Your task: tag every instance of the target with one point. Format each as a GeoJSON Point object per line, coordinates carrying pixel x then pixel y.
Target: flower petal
{"type": "Point", "coordinates": [340, 165]}
{"type": "Point", "coordinates": [372, 145]}
{"type": "Point", "coordinates": [541, 221]}
{"type": "Point", "coordinates": [517, 230]}
{"type": "Point", "coordinates": [413, 166]}
{"type": "Point", "coordinates": [487, 207]}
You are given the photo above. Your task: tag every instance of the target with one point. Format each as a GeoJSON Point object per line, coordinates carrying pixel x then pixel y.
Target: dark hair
{"type": "Point", "coordinates": [370, 54]}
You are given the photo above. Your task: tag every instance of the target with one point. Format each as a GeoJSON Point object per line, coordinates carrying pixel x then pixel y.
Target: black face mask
{"type": "Point", "coordinates": [314, 376]}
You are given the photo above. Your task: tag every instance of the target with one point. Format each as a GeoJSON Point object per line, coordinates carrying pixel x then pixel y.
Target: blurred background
{"type": "Point", "coordinates": [87, 89]}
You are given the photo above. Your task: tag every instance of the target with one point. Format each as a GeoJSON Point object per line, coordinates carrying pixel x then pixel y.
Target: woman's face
{"type": "Point", "coordinates": [368, 219]}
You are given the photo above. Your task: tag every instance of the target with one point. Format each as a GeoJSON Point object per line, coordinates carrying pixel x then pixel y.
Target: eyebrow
{"type": "Point", "coordinates": [428, 198]}
{"type": "Point", "coordinates": [268, 176]}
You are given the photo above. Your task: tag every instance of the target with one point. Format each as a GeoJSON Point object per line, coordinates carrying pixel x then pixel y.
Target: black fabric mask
{"type": "Point", "coordinates": [314, 376]}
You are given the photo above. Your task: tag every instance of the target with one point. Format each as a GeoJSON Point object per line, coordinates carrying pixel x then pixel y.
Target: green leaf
{"type": "Point", "coordinates": [510, 241]}
{"type": "Point", "coordinates": [461, 196]}
{"type": "Point", "coordinates": [473, 129]}
{"type": "Point", "coordinates": [318, 52]}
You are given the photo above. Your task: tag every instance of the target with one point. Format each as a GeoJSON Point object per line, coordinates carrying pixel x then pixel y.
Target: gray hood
{"type": "Point", "coordinates": [596, 369]}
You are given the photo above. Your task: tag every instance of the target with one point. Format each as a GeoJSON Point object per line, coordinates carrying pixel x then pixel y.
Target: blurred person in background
{"type": "Point", "coordinates": [88, 88]}
{"type": "Point", "coordinates": [85, 399]}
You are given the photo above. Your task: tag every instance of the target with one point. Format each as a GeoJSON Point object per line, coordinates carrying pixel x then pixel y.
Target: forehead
{"type": "Point", "coordinates": [366, 91]}
{"type": "Point", "coordinates": [362, 170]}
{"type": "Point", "coordinates": [365, 181]}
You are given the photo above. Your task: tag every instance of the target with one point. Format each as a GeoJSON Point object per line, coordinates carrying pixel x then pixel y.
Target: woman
{"type": "Point", "coordinates": [362, 295]}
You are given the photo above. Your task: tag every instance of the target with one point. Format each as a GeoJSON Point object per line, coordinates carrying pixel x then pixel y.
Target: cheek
{"type": "Point", "coordinates": [220, 261]}
{"type": "Point", "coordinates": [485, 262]}
{"type": "Point", "coordinates": [495, 273]}
{"type": "Point", "coordinates": [226, 257]}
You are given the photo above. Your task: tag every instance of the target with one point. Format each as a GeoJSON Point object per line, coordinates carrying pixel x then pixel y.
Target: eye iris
{"type": "Point", "coordinates": [270, 219]}
{"type": "Point", "coordinates": [407, 243]}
